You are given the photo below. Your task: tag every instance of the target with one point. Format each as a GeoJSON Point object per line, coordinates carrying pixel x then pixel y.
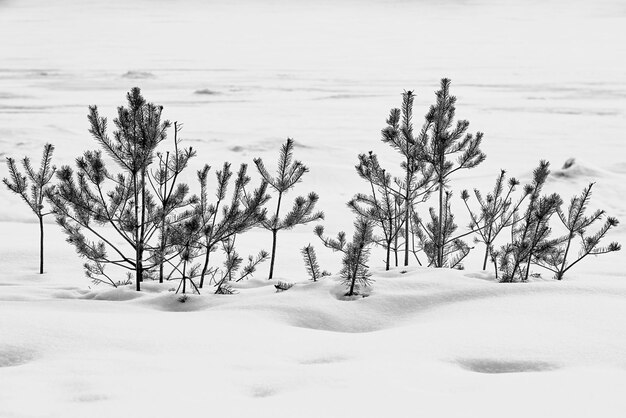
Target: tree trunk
{"type": "Point", "coordinates": [388, 255]}
{"type": "Point", "coordinates": [274, 233]}
{"type": "Point", "coordinates": [138, 268]}
{"type": "Point", "coordinates": [205, 268]}
{"type": "Point", "coordinates": [40, 244]}
{"type": "Point", "coordinates": [406, 214]}
{"type": "Point", "coordinates": [561, 271]}
{"type": "Point", "coordinates": [440, 227]}
{"type": "Point", "coordinates": [351, 292]}
{"type": "Point", "coordinates": [485, 260]}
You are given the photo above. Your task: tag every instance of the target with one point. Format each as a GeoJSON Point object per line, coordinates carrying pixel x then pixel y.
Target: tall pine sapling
{"type": "Point", "coordinates": [311, 264]}
{"type": "Point", "coordinates": [355, 271]}
{"type": "Point", "coordinates": [222, 221]}
{"type": "Point", "coordinates": [380, 205]}
{"type": "Point", "coordinates": [33, 195]}
{"type": "Point", "coordinates": [169, 194]}
{"type": "Point", "coordinates": [444, 139]}
{"type": "Point", "coordinates": [576, 224]}
{"type": "Point", "coordinates": [514, 255]}
{"type": "Point", "coordinates": [497, 211]}
{"type": "Point", "coordinates": [83, 202]}
{"type": "Point", "coordinates": [289, 173]}
{"type": "Point", "coordinates": [417, 174]}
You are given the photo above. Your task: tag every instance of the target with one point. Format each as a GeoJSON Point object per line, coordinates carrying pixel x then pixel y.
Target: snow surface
{"type": "Point", "coordinates": [542, 79]}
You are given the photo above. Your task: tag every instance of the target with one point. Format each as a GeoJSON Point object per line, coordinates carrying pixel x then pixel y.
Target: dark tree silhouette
{"type": "Point", "coordinates": [33, 195]}
{"type": "Point", "coordinates": [355, 271]}
{"type": "Point", "coordinates": [83, 202]}
{"type": "Point", "coordinates": [529, 238]}
{"type": "Point", "coordinates": [442, 139]}
{"type": "Point", "coordinates": [576, 224]}
{"type": "Point", "coordinates": [379, 206]}
{"type": "Point", "coordinates": [417, 174]}
{"type": "Point", "coordinates": [497, 211]}
{"type": "Point", "coordinates": [221, 221]}
{"type": "Point", "coordinates": [170, 195]}
{"type": "Point", "coordinates": [289, 173]}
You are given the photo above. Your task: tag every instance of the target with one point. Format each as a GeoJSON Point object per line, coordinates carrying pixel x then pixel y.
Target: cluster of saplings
{"type": "Point", "coordinates": [143, 219]}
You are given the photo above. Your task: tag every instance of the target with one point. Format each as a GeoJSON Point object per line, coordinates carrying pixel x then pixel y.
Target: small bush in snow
{"type": "Point", "coordinates": [355, 271]}
{"type": "Point", "coordinates": [282, 286]}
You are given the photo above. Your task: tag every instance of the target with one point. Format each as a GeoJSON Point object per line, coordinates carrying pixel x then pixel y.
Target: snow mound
{"type": "Point", "coordinates": [577, 169]}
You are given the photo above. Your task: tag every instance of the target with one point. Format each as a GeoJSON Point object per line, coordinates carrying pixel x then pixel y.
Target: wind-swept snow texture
{"type": "Point", "coordinates": [543, 80]}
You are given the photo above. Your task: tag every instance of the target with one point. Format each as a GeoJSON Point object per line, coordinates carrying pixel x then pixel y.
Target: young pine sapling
{"type": "Point", "coordinates": [222, 222]}
{"type": "Point", "coordinates": [355, 271]}
{"type": "Point", "coordinates": [170, 195]}
{"type": "Point", "coordinates": [529, 237]}
{"type": "Point", "coordinates": [443, 139]}
{"type": "Point", "coordinates": [576, 224]}
{"type": "Point", "coordinates": [311, 264]}
{"type": "Point", "coordinates": [289, 173]}
{"type": "Point", "coordinates": [417, 174]}
{"type": "Point", "coordinates": [497, 211]}
{"type": "Point", "coordinates": [83, 202]}
{"type": "Point", "coordinates": [380, 206]}
{"type": "Point", "coordinates": [33, 195]}
{"type": "Point", "coordinates": [231, 266]}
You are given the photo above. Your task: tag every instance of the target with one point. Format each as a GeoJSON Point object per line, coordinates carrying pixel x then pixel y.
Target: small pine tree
{"type": "Point", "coordinates": [311, 264]}
{"type": "Point", "coordinates": [233, 263]}
{"type": "Point", "coordinates": [530, 239]}
{"type": "Point", "coordinates": [170, 195]}
{"type": "Point", "coordinates": [95, 197]}
{"type": "Point", "coordinates": [418, 174]}
{"type": "Point", "coordinates": [33, 195]}
{"type": "Point", "coordinates": [442, 139]}
{"type": "Point", "coordinates": [289, 173]}
{"type": "Point", "coordinates": [497, 212]}
{"type": "Point", "coordinates": [380, 206]}
{"type": "Point", "coordinates": [576, 224]}
{"type": "Point", "coordinates": [355, 271]}
{"type": "Point", "coordinates": [220, 221]}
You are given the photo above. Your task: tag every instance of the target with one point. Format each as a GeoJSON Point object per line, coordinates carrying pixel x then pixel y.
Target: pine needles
{"type": "Point", "coordinates": [311, 264]}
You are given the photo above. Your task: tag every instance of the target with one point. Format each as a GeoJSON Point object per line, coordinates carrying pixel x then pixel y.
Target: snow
{"type": "Point", "coordinates": [543, 80]}
{"type": "Point", "coordinates": [423, 341]}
